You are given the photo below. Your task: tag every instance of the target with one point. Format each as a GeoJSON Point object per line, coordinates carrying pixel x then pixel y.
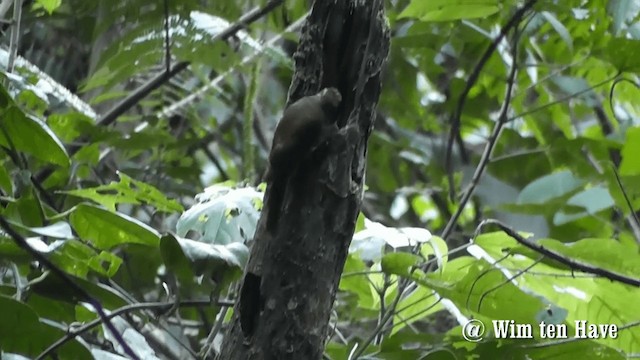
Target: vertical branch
{"type": "Point", "coordinates": [248, 151]}
{"type": "Point", "coordinates": [167, 43]}
{"type": "Point", "coordinates": [15, 35]}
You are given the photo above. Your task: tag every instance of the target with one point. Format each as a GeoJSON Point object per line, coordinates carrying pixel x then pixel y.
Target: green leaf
{"type": "Point", "coordinates": [128, 191]}
{"type": "Point", "coordinates": [27, 206]}
{"type": "Point", "coordinates": [419, 304]}
{"type": "Point", "coordinates": [222, 215]}
{"type": "Point", "coordinates": [22, 332]}
{"type": "Point", "coordinates": [574, 85]}
{"type": "Point", "coordinates": [106, 229]}
{"type": "Point", "coordinates": [70, 126]}
{"type": "Point", "coordinates": [77, 259]}
{"type": "Point", "coordinates": [604, 253]}
{"type": "Point", "coordinates": [223, 264]}
{"type": "Point", "coordinates": [619, 11]}
{"type": "Point", "coordinates": [559, 28]}
{"type": "Point", "coordinates": [31, 136]}
{"type": "Point", "coordinates": [593, 200]}
{"type": "Point", "coordinates": [630, 153]}
{"type": "Point", "coordinates": [50, 5]}
{"type": "Point", "coordinates": [584, 296]}
{"type": "Point", "coordinates": [624, 54]}
{"type": "Point", "coordinates": [549, 187]}
{"type": "Point", "coordinates": [471, 284]}
{"type": "Point", "coordinates": [5, 179]}
{"type": "Point", "coordinates": [174, 258]}
{"type": "Point", "coordinates": [437, 247]}
{"type": "Point", "coordinates": [400, 263]}
{"type": "Point", "coordinates": [355, 280]}
{"type": "Point", "coordinates": [54, 287]}
{"type": "Point", "coordinates": [59, 230]}
{"type": "Point", "coordinates": [447, 10]}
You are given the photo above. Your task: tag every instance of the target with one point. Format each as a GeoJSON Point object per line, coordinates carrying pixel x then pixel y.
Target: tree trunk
{"type": "Point", "coordinates": [293, 271]}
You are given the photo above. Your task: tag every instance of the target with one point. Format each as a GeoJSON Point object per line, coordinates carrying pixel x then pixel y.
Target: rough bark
{"type": "Point", "coordinates": [293, 272]}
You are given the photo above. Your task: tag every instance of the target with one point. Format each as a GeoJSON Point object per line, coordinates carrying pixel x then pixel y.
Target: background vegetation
{"type": "Point", "coordinates": [106, 138]}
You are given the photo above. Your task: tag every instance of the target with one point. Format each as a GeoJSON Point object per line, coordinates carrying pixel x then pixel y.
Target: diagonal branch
{"type": "Point", "coordinates": [573, 264]}
{"type": "Point", "coordinates": [160, 79]}
{"type": "Point", "coordinates": [473, 77]}
{"type": "Point", "coordinates": [83, 294]}
{"type": "Point", "coordinates": [162, 306]}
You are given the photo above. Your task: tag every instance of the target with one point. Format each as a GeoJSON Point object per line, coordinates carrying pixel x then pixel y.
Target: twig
{"type": "Point", "coordinates": [613, 87]}
{"type": "Point", "coordinates": [508, 280]}
{"type": "Point", "coordinates": [208, 343]}
{"type": "Point", "coordinates": [171, 109]}
{"type": "Point", "coordinates": [561, 100]}
{"type": "Point", "coordinates": [634, 222]}
{"type": "Point", "coordinates": [167, 45]}
{"type": "Point", "coordinates": [417, 315]}
{"type": "Point", "coordinates": [160, 79]}
{"type": "Point", "coordinates": [362, 347]}
{"type": "Point", "coordinates": [84, 295]}
{"type": "Point", "coordinates": [15, 35]}
{"type": "Point", "coordinates": [574, 265]}
{"type": "Point", "coordinates": [123, 310]}
{"type": "Point", "coordinates": [473, 77]}
{"type": "Point", "coordinates": [493, 140]}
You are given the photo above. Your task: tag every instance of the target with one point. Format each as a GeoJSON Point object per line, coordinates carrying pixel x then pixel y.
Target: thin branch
{"type": "Point", "coordinates": [508, 280]}
{"type": "Point", "coordinates": [167, 45]}
{"type": "Point", "coordinates": [634, 222]}
{"type": "Point", "coordinates": [493, 140]}
{"type": "Point", "coordinates": [171, 109]}
{"type": "Point", "coordinates": [15, 35]}
{"type": "Point", "coordinates": [208, 343]}
{"type": "Point", "coordinates": [84, 295]}
{"type": "Point", "coordinates": [162, 306]}
{"type": "Point", "coordinates": [160, 79]}
{"type": "Point", "coordinates": [473, 77]}
{"type": "Point", "coordinates": [561, 100]}
{"type": "Point", "coordinates": [573, 264]}
{"type": "Point", "coordinates": [362, 347]}
{"type": "Point", "coordinates": [613, 87]}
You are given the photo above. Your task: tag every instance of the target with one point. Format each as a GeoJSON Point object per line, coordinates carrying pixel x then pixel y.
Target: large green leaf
{"type": "Point", "coordinates": [106, 229]}
{"type": "Point", "coordinates": [31, 136]}
{"type": "Point", "coordinates": [631, 153]}
{"type": "Point", "coordinates": [624, 54]}
{"type": "Point", "coordinates": [128, 191]}
{"type": "Point", "coordinates": [593, 200]}
{"type": "Point", "coordinates": [6, 184]}
{"type": "Point", "coordinates": [400, 263]}
{"type": "Point", "coordinates": [355, 280]}
{"type": "Point", "coordinates": [216, 261]}
{"type": "Point", "coordinates": [578, 296]}
{"type": "Point", "coordinates": [549, 187]}
{"type": "Point", "coordinates": [50, 5]}
{"type": "Point", "coordinates": [53, 287]}
{"type": "Point", "coordinates": [22, 332]}
{"type": "Point", "coordinates": [222, 215]}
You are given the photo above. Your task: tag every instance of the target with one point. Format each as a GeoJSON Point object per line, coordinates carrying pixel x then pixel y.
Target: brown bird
{"type": "Point", "coordinates": [304, 126]}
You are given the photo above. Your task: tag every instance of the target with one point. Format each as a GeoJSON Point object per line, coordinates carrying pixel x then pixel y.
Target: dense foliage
{"type": "Point", "coordinates": [127, 177]}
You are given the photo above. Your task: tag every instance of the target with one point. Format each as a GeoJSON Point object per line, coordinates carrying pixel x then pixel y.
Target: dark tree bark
{"type": "Point", "coordinates": [293, 272]}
